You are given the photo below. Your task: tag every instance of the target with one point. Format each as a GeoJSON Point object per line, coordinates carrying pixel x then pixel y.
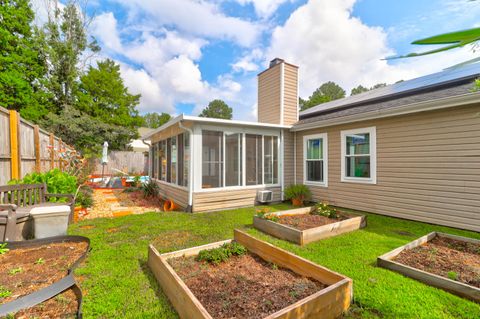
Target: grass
{"type": "Point", "coordinates": [118, 284]}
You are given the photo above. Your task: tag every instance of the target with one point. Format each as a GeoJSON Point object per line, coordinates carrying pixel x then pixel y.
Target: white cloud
{"type": "Point", "coordinates": [335, 46]}
{"type": "Point", "coordinates": [264, 8]}
{"type": "Point", "coordinates": [104, 28]}
{"type": "Point", "coordinates": [248, 62]}
{"type": "Point", "coordinates": [199, 18]}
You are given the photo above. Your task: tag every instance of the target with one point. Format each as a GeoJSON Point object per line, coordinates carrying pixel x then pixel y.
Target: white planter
{"type": "Point", "coordinates": [50, 221]}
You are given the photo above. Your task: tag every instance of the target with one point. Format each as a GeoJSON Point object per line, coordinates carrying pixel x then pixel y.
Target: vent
{"type": "Point", "coordinates": [264, 196]}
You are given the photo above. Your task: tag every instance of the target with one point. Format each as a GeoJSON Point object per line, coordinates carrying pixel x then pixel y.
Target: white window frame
{"type": "Point", "coordinates": [324, 138]}
{"type": "Point", "coordinates": [373, 155]}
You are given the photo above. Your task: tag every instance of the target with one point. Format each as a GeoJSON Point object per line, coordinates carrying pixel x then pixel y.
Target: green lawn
{"type": "Point", "coordinates": [118, 284]}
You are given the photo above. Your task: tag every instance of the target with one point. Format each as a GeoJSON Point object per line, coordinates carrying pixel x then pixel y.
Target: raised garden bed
{"type": "Point", "coordinates": [36, 277]}
{"type": "Point", "coordinates": [441, 260]}
{"type": "Point", "coordinates": [301, 227]}
{"type": "Point", "coordinates": [266, 282]}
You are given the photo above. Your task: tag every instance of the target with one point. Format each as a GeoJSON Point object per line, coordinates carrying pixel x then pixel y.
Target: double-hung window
{"type": "Point", "coordinates": [315, 148]}
{"type": "Point", "coordinates": [359, 163]}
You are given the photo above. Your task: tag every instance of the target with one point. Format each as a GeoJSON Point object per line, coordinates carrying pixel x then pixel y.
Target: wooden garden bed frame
{"type": "Point", "coordinates": [302, 237]}
{"type": "Point", "coordinates": [330, 302]}
{"type": "Point", "coordinates": [455, 287]}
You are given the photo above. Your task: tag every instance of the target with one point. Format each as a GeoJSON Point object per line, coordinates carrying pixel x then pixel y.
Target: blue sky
{"type": "Point", "coordinates": [180, 54]}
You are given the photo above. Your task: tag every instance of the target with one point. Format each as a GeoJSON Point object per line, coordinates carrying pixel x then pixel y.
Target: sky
{"type": "Point", "coordinates": [181, 54]}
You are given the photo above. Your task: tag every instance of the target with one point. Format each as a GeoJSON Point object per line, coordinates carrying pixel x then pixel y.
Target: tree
{"type": "Point", "coordinates": [86, 133]}
{"type": "Point", "coordinates": [378, 85]}
{"type": "Point", "coordinates": [154, 120]}
{"type": "Point", "coordinates": [359, 89]}
{"type": "Point", "coordinates": [103, 95]}
{"type": "Point", "coordinates": [65, 37]}
{"type": "Point", "coordinates": [21, 65]}
{"type": "Point", "coordinates": [327, 92]}
{"type": "Point", "coordinates": [217, 109]}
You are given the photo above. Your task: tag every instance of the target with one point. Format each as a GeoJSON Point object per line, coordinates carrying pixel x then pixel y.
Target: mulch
{"type": "Point", "coordinates": [26, 270]}
{"type": "Point", "coordinates": [443, 255]}
{"type": "Point", "coordinates": [307, 221]}
{"type": "Point", "coordinates": [244, 286]}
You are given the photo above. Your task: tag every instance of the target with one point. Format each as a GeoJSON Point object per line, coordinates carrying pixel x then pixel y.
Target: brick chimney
{"type": "Point", "coordinates": [278, 93]}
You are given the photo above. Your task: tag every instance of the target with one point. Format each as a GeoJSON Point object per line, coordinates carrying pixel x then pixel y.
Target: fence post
{"type": "Point", "coordinates": [52, 151]}
{"type": "Point", "coordinates": [36, 142]}
{"type": "Point", "coordinates": [14, 149]}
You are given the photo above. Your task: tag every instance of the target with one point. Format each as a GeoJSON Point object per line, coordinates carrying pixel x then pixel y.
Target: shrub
{"type": "Point", "coordinates": [84, 197]}
{"type": "Point", "coordinates": [298, 191]}
{"type": "Point", "coordinates": [452, 275]}
{"type": "Point", "coordinates": [3, 248]}
{"type": "Point", "coordinates": [266, 214]}
{"type": "Point", "coordinates": [58, 182]}
{"type": "Point", "coordinates": [221, 254]}
{"type": "Point", "coordinates": [150, 189]}
{"type": "Point", "coordinates": [323, 209]}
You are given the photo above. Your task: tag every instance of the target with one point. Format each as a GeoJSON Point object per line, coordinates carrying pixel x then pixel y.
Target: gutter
{"type": "Point", "coordinates": [190, 170]}
{"type": "Point", "coordinates": [431, 105]}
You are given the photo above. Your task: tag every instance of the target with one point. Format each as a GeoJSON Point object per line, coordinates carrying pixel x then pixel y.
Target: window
{"type": "Point", "coordinates": [233, 159]}
{"type": "Point", "coordinates": [173, 161]}
{"type": "Point", "coordinates": [315, 149]}
{"type": "Point", "coordinates": [186, 158]}
{"type": "Point", "coordinates": [253, 150]}
{"type": "Point", "coordinates": [270, 158]}
{"type": "Point", "coordinates": [359, 155]}
{"type": "Point", "coordinates": [163, 160]}
{"type": "Point", "coordinates": [155, 160]}
{"type": "Point", "coordinates": [212, 159]}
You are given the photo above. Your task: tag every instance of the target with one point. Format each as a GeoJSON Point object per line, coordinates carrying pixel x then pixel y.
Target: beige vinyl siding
{"type": "Point", "coordinates": [269, 95]}
{"type": "Point", "coordinates": [290, 110]}
{"type": "Point", "coordinates": [178, 194]}
{"type": "Point", "coordinates": [228, 199]}
{"type": "Point", "coordinates": [288, 170]}
{"type": "Point", "coordinates": [428, 168]}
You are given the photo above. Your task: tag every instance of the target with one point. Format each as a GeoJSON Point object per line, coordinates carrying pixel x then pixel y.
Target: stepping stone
{"type": "Point", "coordinates": [122, 213]}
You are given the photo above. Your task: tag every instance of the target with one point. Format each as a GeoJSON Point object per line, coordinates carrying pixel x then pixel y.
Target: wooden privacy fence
{"type": "Point", "coordinates": [125, 161]}
{"type": "Point", "coordinates": [26, 148]}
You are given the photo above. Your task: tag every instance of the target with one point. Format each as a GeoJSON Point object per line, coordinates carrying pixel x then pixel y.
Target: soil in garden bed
{"type": "Point", "coordinates": [64, 305]}
{"type": "Point", "coordinates": [307, 221]}
{"type": "Point", "coordinates": [26, 270]}
{"type": "Point", "coordinates": [244, 286]}
{"type": "Point", "coordinates": [446, 257]}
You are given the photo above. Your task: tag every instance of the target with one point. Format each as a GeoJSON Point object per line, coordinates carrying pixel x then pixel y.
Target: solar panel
{"type": "Point", "coordinates": [431, 80]}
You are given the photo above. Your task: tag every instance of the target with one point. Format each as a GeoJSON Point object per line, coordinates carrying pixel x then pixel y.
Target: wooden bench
{"type": "Point", "coordinates": [16, 202]}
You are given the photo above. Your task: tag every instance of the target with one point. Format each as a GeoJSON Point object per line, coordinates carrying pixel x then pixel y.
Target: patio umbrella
{"type": "Point", "coordinates": [104, 157]}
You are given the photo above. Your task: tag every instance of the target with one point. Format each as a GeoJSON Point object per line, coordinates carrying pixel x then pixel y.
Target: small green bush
{"type": "Point", "coordinates": [452, 275]}
{"type": "Point", "coordinates": [217, 255]}
{"type": "Point", "coordinates": [150, 189]}
{"type": "Point", "coordinates": [323, 209]}
{"type": "Point", "coordinates": [3, 248]}
{"type": "Point", "coordinates": [58, 182]}
{"type": "Point", "coordinates": [84, 197]}
{"type": "Point", "coordinates": [298, 191]}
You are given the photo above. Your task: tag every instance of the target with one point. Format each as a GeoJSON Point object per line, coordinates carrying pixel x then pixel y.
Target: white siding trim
{"type": "Point", "coordinates": [373, 155]}
{"type": "Point", "coordinates": [324, 138]}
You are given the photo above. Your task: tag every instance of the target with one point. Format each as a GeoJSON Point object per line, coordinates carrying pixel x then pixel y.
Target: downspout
{"type": "Point", "coordinates": [295, 157]}
{"type": "Point", "coordinates": [190, 175]}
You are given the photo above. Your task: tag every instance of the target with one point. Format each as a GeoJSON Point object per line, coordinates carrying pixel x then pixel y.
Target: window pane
{"type": "Point", "coordinates": [180, 158]}
{"type": "Point", "coordinates": [169, 160]}
{"type": "Point", "coordinates": [315, 171]}
{"type": "Point", "coordinates": [253, 163]}
{"type": "Point", "coordinates": [358, 144]}
{"type": "Point", "coordinates": [233, 159]}
{"type": "Point", "coordinates": [358, 166]}
{"type": "Point", "coordinates": [173, 166]}
{"type": "Point", "coordinates": [163, 160]}
{"type": "Point", "coordinates": [275, 160]}
{"type": "Point", "coordinates": [212, 159]}
{"type": "Point", "coordinates": [268, 158]}
{"type": "Point", "coordinates": [186, 157]}
{"type": "Point", "coordinates": [315, 149]}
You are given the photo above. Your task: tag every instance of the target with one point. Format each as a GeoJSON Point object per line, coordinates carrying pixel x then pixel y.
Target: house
{"type": "Point", "coordinates": [139, 145]}
{"type": "Point", "coordinates": [409, 150]}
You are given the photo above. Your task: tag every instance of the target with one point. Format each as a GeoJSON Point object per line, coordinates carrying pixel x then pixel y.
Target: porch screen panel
{"type": "Point", "coordinates": [169, 160]}
{"type": "Point", "coordinates": [270, 157]}
{"type": "Point", "coordinates": [163, 160]}
{"type": "Point", "coordinates": [212, 159]}
{"type": "Point", "coordinates": [253, 163]}
{"type": "Point", "coordinates": [173, 161]}
{"type": "Point", "coordinates": [180, 159]}
{"type": "Point", "coordinates": [186, 158]}
{"type": "Point", "coordinates": [233, 159]}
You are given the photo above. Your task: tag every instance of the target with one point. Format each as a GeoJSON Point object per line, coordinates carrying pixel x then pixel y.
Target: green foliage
{"type": "Point", "coordinates": [297, 191]}
{"type": "Point", "coordinates": [155, 120]}
{"type": "Point", "coordinates": [452, 275]}
{"type": "Point", "coordinates": [477, 85]}
{"type": "Point", "coordinates": [103, 95]}
{"type": "Point", "coordinates": [84, 197]}
{"type": "Point", "coordinates": [58, 182]}
{"type": "Point", "coordinates": [39, 261]}
{"type": "Point", "coordinates": [87, 133]}
{"type": "Point", "coordinates": [323, 209]}
{"type": "Point", "coordinates": [4, 292]}
{"type": "Point", "coordinates": [4, 249]}
{"type": "Point", "coordinates": [136, 181]}
{"type": "Point", "coordinates": [221, 254]}
{"type": "Point", "coordinates": [15, 271]}
{"type": "Point", "coordinates": [265, 213]}
{"type": "Point", "coordinates": [217, 109]}
{"type": "Point", "coordinates": [21, 65]}
{"type": "Point", "coordinates": [359, 89]}
{"type": "Point", "coordinates": [327, 92]}
{"type": "Point", "coordinates": [150, 189]}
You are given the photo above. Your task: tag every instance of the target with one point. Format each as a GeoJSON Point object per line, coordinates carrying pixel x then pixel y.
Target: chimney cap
{"type": "Point", "coordinates": [276, 61]}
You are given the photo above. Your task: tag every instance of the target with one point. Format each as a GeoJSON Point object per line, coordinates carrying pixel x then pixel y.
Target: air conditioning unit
{"type": "Point", "coordinates": [264, 196]}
